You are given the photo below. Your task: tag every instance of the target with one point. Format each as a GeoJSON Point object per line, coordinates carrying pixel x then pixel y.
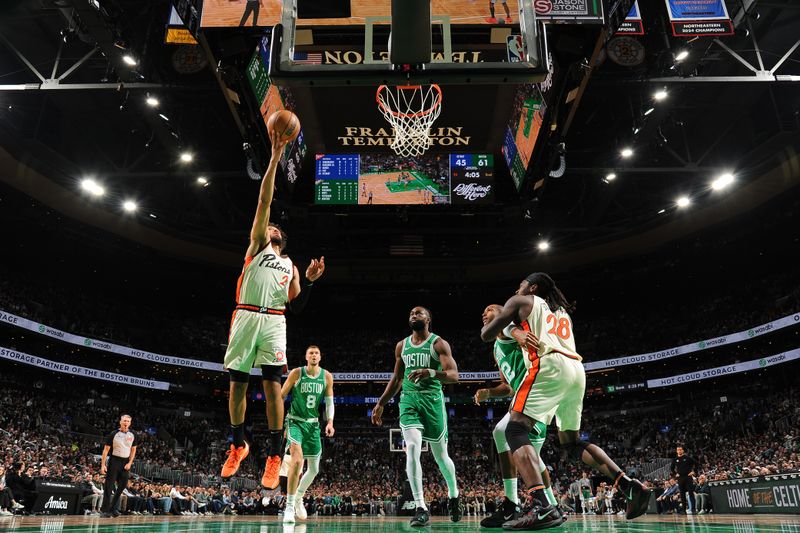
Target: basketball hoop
{"type": "Point", "coordinates": [411, 110]}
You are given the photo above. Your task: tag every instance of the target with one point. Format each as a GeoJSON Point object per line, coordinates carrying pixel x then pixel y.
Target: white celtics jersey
{"type": "Point", "coordinates": [554, 330]}
{"type": "Point", "coordinates": [265, 280]}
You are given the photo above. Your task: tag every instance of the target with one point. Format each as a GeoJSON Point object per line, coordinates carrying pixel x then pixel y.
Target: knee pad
{"type": "Point", "coordinates": [238, 377]}
{"type": "Point", "coordinates": [271, 373]}
{"type": "Point", "coordinates": [517, 436]}
{"type": "Point", "coordinates": [575, 450]}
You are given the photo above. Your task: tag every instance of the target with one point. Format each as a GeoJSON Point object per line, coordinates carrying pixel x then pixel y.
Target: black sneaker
{"type": "Point", "coordinates": [638, 499]}
{"type": "Point", "coordinates": [537, 518]}
{"type": "Point", "coordinates": [421, 518]}
{"type": "Point", "coordinates": [454, 505]}
{"type": "Point", "coordinates": [508, 511]}
{"type": "Point", "coordinates": [105, 515]}
{"type": "Point", "coordinates": [115, 513]}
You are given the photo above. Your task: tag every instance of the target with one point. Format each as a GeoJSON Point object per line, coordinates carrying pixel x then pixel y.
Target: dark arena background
{"type": "Point", "coordinates": [645, 154]}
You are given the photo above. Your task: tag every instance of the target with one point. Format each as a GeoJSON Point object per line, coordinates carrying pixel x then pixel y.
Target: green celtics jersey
{"type": "Point", "coordinates": [307, 394]}
{"type": "Point", "coordinates": [511, 361]}
{"type": "Point", "coordinates": [417, 357]}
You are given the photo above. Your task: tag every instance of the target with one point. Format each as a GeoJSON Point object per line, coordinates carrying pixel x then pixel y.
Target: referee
{"type": "Point", "coordinates": [122, 444]}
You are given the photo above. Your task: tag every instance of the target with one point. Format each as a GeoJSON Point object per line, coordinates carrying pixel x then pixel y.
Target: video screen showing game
{"type": "Point", "coordinates": [523, 130]}
{"type": "Point", "coordinates": [387, 179]}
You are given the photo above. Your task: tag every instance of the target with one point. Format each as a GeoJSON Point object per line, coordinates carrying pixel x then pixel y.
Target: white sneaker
{"type": "Point", "coordinates": [3, 512]}
{"type": "Point", "coordinates": [17, 505]}
{"type": "Point", "coordinates": [288, 515]}
{"type": "Point", "coordinates": [689, 511]}
{"type": "Point", "coordinates": [300, 510]}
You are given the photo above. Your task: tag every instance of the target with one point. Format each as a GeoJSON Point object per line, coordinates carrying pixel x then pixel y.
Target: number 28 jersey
{"type": "Point", "coordinates": [265, 280]}
{"type": "Point", "coordinates": [554, 330]}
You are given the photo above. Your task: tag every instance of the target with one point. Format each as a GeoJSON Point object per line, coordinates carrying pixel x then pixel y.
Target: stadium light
{"type": "Point", "coordinates": [683, 201]}
{"type": "Point", "coordinates": [543, 246]}
{"type": "Point", "coordinates": [187, 157]}
{"type": "Point", "coordinates": [152, 101]}
{"type": "Point", "coordinates": [660, 95]}
{"type": "Point", "coordinates": [611, 176]}
{"type": "Point", "coordinates": [649, 111]}
{"type": "Point", "coordinates": [92, 187]}
{"type": "Point", "coordinates": [722, 181]}
{"type": "Point", "coordinates": [626, 152]}
{"type": "Point", "coordinates": [683, 54]}
{"type": "Point", "coordinates": [129, 60]}
{"type": "Point", "coordinates": [165, 117]}
{"type": "Point", "coordinates": [129, 206]}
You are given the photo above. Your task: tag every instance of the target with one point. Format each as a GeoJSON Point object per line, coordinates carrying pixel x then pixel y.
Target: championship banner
{"type": "Point", "coordinates": [127, 351]}
{"type": "Point", "coordinates": [769, 327]}
{"type": "Point", "coordinates": [726, 370]}
{"type": "Point", "coordinates": [75, 370]}
{"type": "Point", "coordinates": [696, 18]}
{"type": "Point", "coordinates": [778, 493]}
{"type": "Point", "coordinates": [632, 25]}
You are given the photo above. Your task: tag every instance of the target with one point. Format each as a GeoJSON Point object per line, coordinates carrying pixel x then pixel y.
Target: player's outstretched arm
{"type": "Point", "coordinates": [391, 388]}
{"type": "Point", "coordinates": [258, 233]}
{"type": "Point", "coordinates": [290, 382]}
{"type": "Point", "coordinates": [329, 410]}
{"type": "Point", "coordinates": [515, 308]}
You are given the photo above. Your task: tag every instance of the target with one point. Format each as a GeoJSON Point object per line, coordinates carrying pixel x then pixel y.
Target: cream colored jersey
{"type": "Point", "coordinates": [554, 330]}
{"type": "Point", "coordinates": [265, 280]}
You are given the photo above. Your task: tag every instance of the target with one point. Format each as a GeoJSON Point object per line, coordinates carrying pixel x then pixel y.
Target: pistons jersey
{"type": "Point", "coordinates": [265, 280]}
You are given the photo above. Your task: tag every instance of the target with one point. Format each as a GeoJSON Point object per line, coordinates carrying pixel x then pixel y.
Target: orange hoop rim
{"type": "Point", "coordinates": [422, 113]}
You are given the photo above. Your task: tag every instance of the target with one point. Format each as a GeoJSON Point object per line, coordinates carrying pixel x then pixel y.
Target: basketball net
{"type": "Point", "coordinates": [411, 110]}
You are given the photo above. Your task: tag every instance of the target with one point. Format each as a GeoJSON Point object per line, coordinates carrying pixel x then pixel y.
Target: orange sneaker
{"type": "Point", "coordinates": [270, 479]}
{"type": "Point", "coordinates": [234, 460]}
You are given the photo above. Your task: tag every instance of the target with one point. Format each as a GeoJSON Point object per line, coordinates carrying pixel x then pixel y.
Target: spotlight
{"type": "Point", "coordinates": [660, 95]}
{"type": "Point", "coordinates": [543, 245]}
{"type": "Point", "coordinates": [626, 152]}
{"type": "Point", "coordinates": [722, 181]}
{"type": "Point", "coordinates": [683, 201]}
{"type": "Point", "coordinates": [152, 101]}
{"type": "Point", "coordinates": [129, 206]}
{"type": "Point", "coordinates": [611, 177]}
{"type": "Point", "coordinates": [649, 111]}
{"type": "Point", "coordinates": [683, 54]}
{"type": "Point", "coordinates": [662, 211]}
{"type": "Point", "coordinates": [202, 180]}
{"type": "Point", "coordinates": [92, 187]}
{"type": "Point", "coordinates": [129, 60]}
{"type": "Point", "coordinates": [165, 117]}
{"type": "Point", "coordinates": [636, 130]}
{"type": "Point", "coordinates": [187, 157]}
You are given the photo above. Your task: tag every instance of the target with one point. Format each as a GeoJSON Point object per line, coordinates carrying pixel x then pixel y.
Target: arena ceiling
{"type": "Point", "coordinates": [717, 118]}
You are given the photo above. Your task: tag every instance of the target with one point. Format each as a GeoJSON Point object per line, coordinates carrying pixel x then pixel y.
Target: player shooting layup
{"type": "Point", "coordinates": [554, 386]}
{"type": "Point", "coordinates": [307, 385]}
{"type": "Point", "coordinates": [268, 283]}
{"type": "Point", "coordinates": [510, 360]}
{"type": "Point", "coordinates": [425, 362]}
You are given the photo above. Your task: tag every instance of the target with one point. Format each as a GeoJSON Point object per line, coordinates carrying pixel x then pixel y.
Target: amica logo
{"type": "Point", "coordinates": [54, 503]}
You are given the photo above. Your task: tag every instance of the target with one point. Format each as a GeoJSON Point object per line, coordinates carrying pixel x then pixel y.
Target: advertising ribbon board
{"type": "Point", "coordinates": [696, 18]}
{"type": "Point", "coordinates": [776, 494]}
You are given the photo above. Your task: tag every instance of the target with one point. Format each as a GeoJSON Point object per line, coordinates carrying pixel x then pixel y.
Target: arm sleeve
{"type": "Point", "coordinates": [329, 408]}
{"type": "Point", "coordinates": [297, 305]}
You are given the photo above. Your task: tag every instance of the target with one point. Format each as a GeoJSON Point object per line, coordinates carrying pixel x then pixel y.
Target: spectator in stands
{"type": "Point", "coordinates": [702, 495]}
{"type": "Point", "coordinates": [7, 503]}
{"type": "Point", "coordinates": [668, 501]}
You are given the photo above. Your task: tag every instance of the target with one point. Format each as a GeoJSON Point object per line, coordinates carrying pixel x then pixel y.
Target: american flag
{"type": "Point", "coordinates": [303, 58]}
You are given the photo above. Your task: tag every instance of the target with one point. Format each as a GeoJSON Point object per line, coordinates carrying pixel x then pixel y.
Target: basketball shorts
{"type": "Point", "coordinates": [255, 339]}
{"type": "Point", "coordinates": [537, 435]}
{"type": "Point", "coordinates": [306, 435]}
{"type": "Point", "coordinates": [426, 412]}
{"type": "Point", "coordinates": [554, 386]}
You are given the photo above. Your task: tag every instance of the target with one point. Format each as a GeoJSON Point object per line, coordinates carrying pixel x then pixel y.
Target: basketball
{"type": "Point", "coordinates": [285, 123]}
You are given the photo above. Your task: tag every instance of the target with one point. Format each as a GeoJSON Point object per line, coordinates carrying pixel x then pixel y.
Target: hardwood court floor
{"type": "Point", "coordinates": [272, 524]}
{"type": "Point", "coordinates": [229, 12]}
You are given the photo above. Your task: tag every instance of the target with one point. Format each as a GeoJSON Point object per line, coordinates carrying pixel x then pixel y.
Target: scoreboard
{"type": "Point", "coordinates": [337, 179]}
{"type": "Point", "coordinates": [472, 178]}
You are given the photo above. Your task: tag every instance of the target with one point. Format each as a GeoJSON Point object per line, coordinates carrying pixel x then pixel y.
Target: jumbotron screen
{"type": "Point", "coordinates": [382, 179]}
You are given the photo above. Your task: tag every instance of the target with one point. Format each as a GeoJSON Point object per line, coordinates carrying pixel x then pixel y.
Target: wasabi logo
{"type": "Point", "coordinates": [88, 342]}
{"type": "Point", "coordinates": [762, 363]}
{"type": "Point", "coordinates": [750, 332]}
{"type": "Point", "coordinates": [41, 328]}
{"type": "Point", "coordinates": [701, 344]}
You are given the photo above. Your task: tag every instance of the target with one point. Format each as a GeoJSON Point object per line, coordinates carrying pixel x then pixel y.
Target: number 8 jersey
{"type": "Point", "coordinates": [265, 280]}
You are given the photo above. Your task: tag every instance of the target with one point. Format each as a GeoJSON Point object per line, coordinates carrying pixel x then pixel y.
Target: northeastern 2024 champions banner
{"type": "Point", "coordinates": [690, 18]}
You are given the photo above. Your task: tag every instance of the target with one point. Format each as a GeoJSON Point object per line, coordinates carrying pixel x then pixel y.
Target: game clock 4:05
{"type": "Point", "coordinates": [472, 178]}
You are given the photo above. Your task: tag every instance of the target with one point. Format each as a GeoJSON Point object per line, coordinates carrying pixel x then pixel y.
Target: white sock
{"type": "Point", "coordinates": [312, 469]}
{"type": "Point", "coordinates": [413, 438]}
{"type": "Point", "coordinates": [446, 466]}
{"type": "Point", "coordinates": [551, 499]}
{"type": "Point", "coordinates": [290, 501]}
{"type": "Point", "coordinates": [510, 487]}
